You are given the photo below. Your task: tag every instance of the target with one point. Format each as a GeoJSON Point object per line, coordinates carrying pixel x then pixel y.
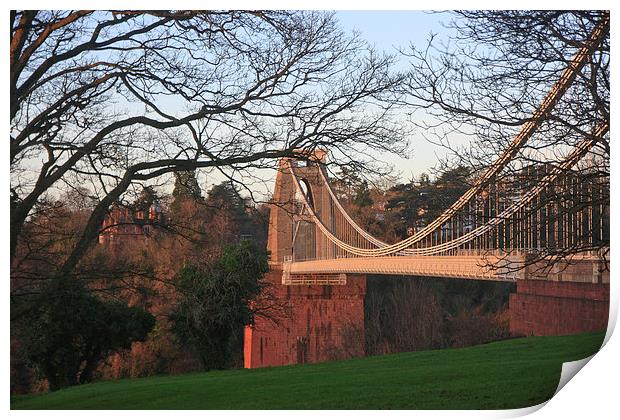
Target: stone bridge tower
{"type": "Point", "coordinates": [313, 317]}
{"type": "Point", "coordinates": [291, 235]}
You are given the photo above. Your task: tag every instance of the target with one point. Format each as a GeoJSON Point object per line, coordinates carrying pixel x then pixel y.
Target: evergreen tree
{"type": "Point", "coordinates": [362, 195]}
{"type": "Point", "coordinates": [226, 196]}
{"type": "Point", "coordinates": [186, 189]}
{"type": "Point", "coordinates": [186, 186]}
{"type": "Point", "coordinates": [145, 200]}
{"type": "Point", "coordinates": [227, 213]}
{"type": "Point", "coordinates": [214, 303]}
{"type": "Point", "coordinates": [67, 331]}
{"type": "Point", "coordinates": [418, 203]}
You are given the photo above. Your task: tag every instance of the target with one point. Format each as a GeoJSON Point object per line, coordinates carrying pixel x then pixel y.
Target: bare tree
{"type": "Point", "coordinates": [487, 82]}
{"type": "Point", "coordinates": [111, 100]}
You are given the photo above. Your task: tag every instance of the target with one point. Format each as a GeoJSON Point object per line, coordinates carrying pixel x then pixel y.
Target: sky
{"type": "Point", "coordinates": [389, 31]}
{"type": "Point", "coordinates": [386, 31]}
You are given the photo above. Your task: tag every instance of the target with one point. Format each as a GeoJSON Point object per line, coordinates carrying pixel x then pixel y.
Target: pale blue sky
{"type": "Point", "coordinates": [388, 31]}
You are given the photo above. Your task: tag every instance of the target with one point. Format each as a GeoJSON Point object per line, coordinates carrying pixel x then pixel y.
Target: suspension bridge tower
{"type": "Point", "coordinates": [310, 317]}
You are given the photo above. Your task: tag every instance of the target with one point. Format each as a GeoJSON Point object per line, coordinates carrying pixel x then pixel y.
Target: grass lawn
{"type": "Point", "coordinates": [508, 374]}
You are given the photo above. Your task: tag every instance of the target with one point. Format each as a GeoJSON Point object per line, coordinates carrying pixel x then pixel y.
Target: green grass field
{"type": "Point", "coordinates": [508, 374]}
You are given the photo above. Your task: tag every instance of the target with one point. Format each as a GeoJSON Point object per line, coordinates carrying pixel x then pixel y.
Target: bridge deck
{"type": "Point", "coordinates": [468, 267]}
